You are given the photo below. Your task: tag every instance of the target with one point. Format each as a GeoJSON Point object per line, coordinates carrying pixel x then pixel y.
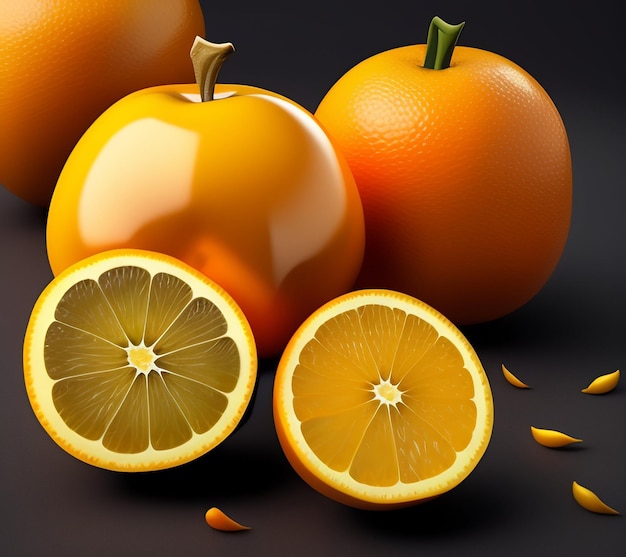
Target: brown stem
{"type": "Point", "coordinates": [207, 59]}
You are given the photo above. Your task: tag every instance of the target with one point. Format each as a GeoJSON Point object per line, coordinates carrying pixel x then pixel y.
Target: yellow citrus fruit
{"type": "Point", "coordinates": [381, 402]}
{"type": "Point", "coordinates": [245, 187]}
{"type": "Point", "coordinates": [134, 361]}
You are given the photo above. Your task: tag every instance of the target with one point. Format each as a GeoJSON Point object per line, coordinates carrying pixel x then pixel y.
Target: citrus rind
{"type": "Point", "coordinates": [40, 386]}
{"type": "Point", "coordinates": [338, 484]}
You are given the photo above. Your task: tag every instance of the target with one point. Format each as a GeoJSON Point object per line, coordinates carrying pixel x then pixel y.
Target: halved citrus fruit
{"type": "Point", "coordinates": [134, 361]}
{"type": "Point", "coordinates": [381, 402]}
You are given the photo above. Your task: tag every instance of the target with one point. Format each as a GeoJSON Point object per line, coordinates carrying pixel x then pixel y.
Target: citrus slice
{"type": "Point", "coordinates": [381, 402]}
{"type": "Point", "coordinates": [134, 361]}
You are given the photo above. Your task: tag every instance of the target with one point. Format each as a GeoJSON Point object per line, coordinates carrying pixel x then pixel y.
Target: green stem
{"type": "Point", "coordinates": [442, 38]}
{"type": "Point", "coordinates": [207, 59]}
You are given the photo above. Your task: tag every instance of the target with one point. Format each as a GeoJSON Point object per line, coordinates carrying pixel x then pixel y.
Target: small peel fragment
{"type": "Point", "coordinates": [218, 520]}
{"type": "Point", "coordinates": [590, 501]}
{"type": "Point", "coordinates": [552, 438]}
{"type": "Point", "coordinates": [512, 379]}
{"type": "Point", "coordinates": [603, 384]}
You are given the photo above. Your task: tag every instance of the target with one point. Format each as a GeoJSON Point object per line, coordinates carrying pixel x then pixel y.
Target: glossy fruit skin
{"type": "Point", "coordinates": [63, 62]}
{"type": "Point", "coordinates": [246, 188]}
{"type": "Point", "coordinates": [465, 177]}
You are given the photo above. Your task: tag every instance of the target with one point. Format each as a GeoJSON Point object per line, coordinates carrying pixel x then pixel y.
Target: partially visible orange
{"type": "Point", "coordinates": [63, 62]}
{"type": "Point", "coordinates": [464, 174]}
{"type": "Point", "coordinates": [245, 187]}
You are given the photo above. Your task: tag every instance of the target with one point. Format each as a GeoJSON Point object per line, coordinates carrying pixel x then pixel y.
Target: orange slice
{"type": "Point", "coordinates": [135, 361]}
{"type": "Point", "coordinates": [381, 402]}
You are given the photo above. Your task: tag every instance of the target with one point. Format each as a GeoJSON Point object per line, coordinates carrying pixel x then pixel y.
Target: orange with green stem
{"type": "Point", "coordinates": [463, 165]}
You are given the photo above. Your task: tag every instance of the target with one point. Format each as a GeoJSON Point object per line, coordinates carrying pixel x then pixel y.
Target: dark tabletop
{"type": "Point", "coordinates": [518, 500]}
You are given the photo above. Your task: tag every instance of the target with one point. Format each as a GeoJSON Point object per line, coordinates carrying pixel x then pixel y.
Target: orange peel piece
{"type": "Point", "coordinates": [552, 438]}
{"type": "Point", "coordinates": [512, 379]}
{"type": "Point", "coordinates": [218, 520]}
{"type": "Point", "coordinates": [590, 501]}
{"type": "Point", "coordinates": [603, 384]}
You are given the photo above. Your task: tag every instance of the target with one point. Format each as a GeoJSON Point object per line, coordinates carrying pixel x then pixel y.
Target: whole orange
{"type": "Point", "coordinates": [464, 174]}
{"type": "Point", "coordinates": [63, 62]}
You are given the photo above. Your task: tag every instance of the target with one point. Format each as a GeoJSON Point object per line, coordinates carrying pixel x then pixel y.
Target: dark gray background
{"type": "Point", "coordinates": [518, 501]}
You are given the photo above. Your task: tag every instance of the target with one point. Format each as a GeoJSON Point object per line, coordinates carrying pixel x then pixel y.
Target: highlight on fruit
{"type": "Point", "coordinates": [246, 187]}
{"type": "Point", "coordinates": [52, 89]}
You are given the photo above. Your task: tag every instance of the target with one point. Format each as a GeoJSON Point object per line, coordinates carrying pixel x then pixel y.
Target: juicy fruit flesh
{"type": "Point", "coordinates": [137, 361]}
{"type": "Point", "coordinates": [396, 408]}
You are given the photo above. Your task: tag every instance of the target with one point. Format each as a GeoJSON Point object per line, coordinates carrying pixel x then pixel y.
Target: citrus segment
{"type": "Point", "coordinates": [590, 501]}
{"type": "Point", "coordinates": [513, 379]}
{"type": "Point", "coordinates": [552, 438]}
{"type": "Point", "coordinates": [603, 384]}
{"type": "Point", "coordinates": [135, 361]}
{"type": "Point", "coordinates": [380, 400]}
{"type": "Point", "coordinates": [219, 520]}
